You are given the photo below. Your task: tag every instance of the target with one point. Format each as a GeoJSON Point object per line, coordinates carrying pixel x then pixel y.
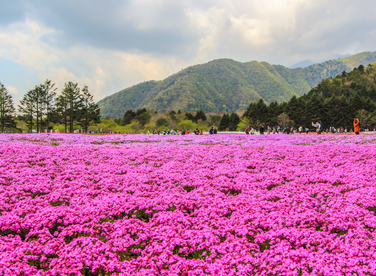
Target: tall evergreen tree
{"type": "Point", "coordinates": [224, 123]}
{"type": "Point", "coordinates": [331, 107]}
{"type": "Point", "coordinates": [27, 108]}
{"type": "Point", "coordinates": [6, 108]}
{"type": "Point", "coordinates": [62, 110]}
{"type": "Point", "coordinates": [344, 118]}
{"type": "Point", "coordinates": [38, 98]}
{"type": "Point", "coordinates": [71, 93]}
{"type": "Point", "coordinates": [273, 111]}
{"type": "Point", "coordinates": [48, 97]}
{"type": "Point", "coordinates": [315, 110]}
{"type": "Point", "coordinates": [296, 111]}
{"type": "Point", "coordinates": [128, 116]}
{"type": "Point", "coordinates": [189, 116]}
{"type": "Point", "coordinates": [300, 119]}
{"type": "Point", "coordinates": [90, 111]}
{"type": "Point", "coordinates": [200, 115]}
{"type": "Point", "coordinates": [261, 110]}
{"type": "Point", "coordinates": [234, 121]}
{"type": "Point", "coordinates": [356, 103]}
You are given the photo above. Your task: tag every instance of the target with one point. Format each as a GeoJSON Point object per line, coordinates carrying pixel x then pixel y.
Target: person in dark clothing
{"type": "Point", "coordinates": [211, 130]}
{"type": "Point", "coordinates": [262, 129]}
{"type": "Point", "coordinates": [215, 131]}
{"type": "Point", "coordinates": [288, 130]}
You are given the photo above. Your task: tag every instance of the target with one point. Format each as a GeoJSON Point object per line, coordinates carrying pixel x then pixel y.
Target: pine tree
{"type": "Point", "coordinates": [48, 95]}
{"type": "Point", "coordinates": [27, 107]}
{"type": "Point", "coordinates": [273, 112]}
{"type": "Point", "coordinates": [356, 103]}
{"type": "Point", "coordinates": [90, 111]}
{"type": "Point", "coordinates": [300, 119]}
{"type": "Point", "coordinates": [71, 93]}
{"type": "Point", "coordinates": [261, 111]}
{"type": "Point", "coordinates": [315, 110]}
{"type": "Point", "coordinates": [200, 115]}
{"type": "Point", "coordinates": [128, 116]}
{"type": "Point", "coordinates": [251, 111]}
{"type": "Point", "coordinates": [331, 107]}
{"type": "Point", "coordinates": [6, 108]}
{"type": "Point", "coordinates": [62, 110]}
{"type": "Point", "coordinates": [224, 123]}
{"type": "Point", "coordinates": [189, 116]}
{"type": "Point", "coordinates": [296, 111]}
{"type": "Point", "coordinates": [38, 98]}
{"type": "Point", "coordinates": [234, 121]}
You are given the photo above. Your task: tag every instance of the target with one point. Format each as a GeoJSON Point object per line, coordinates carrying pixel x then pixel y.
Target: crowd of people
{"type": "Point", "coordinates": [291, 130]}
{"type": "Point", "coordinates": [261, 130]}
{"type": "Point", "coordinates": [276, 130]}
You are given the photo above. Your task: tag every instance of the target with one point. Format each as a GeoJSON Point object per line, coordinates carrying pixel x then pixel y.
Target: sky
{"type": "Point", "coordinates": [111, 45]}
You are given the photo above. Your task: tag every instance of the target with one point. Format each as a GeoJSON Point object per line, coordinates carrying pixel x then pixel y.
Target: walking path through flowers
{"type": "Point", "coordinates": [187, 205]}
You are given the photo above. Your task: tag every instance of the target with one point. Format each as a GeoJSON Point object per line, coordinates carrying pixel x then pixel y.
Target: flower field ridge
{"type": "Point", "coordinates": [223, 204]}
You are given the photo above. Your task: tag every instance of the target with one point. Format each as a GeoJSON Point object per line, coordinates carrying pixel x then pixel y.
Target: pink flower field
{"type": "Point", "coordinates": [223, 204]}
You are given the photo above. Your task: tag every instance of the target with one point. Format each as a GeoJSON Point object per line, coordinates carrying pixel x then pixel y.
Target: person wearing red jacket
{"type": "Point", "coordinates": [356, 126]}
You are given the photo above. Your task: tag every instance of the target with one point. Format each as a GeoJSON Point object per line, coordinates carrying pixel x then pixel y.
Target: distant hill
{"type": "Point", "coordinates": [227, 85]}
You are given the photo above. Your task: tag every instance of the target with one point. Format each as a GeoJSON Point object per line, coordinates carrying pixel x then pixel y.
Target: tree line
{"type": "Point", "coordinates": [143, 119]}
{"type": "Point", "coordinates": [42, 106]}
{"type": "Point", "coordinates": [335, 102]}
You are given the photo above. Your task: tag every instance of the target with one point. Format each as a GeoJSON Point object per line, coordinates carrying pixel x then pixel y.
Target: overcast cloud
{"type": "Point", "coordinates": [111, 45]}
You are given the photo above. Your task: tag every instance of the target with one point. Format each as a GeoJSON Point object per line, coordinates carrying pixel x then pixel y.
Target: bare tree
{"type": "Point", "coordinates": [283, 120]}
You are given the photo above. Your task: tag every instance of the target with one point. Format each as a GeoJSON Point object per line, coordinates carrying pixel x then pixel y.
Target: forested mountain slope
{"type": "Point", "coordinates": [334, 101]}
{"type": "Point", "coordinates": [227, 85]}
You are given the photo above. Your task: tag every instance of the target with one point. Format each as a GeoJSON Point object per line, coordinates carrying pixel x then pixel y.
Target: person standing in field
{"type": "Point", "coordinates": [318, 127]}
{"type": "Point", "coordinates": [247, 130]}
{"type": "Point", "coordinates": [356, 126]}
{"type": "Point", "coordinates": [261, 129]}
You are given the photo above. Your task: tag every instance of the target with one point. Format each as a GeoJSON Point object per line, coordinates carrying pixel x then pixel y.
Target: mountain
{"type": "Point", "coordinates": [227, 85]}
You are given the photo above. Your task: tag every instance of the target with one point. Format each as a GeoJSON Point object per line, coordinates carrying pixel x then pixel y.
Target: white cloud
{"type": "Point", "coordinates": [22, 42]}
{"type": "Point", "coordinates": [104, 71]}
{"type": "Point", "coordinates": [11, 89]}
{"type": "Point", "coordinates": [255, 32]}
{"type": "Point", "coordinates": [135, 41]}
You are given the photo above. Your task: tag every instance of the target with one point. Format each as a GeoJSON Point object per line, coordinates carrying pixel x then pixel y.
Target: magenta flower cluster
{"type": "Point", "coordinates": [187, 205]}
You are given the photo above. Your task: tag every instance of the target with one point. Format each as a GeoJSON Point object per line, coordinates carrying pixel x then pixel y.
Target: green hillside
{"type": "Point", "coordinates": [227, 85]}
{"type": "Point", "coordinates": [334, 101]}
